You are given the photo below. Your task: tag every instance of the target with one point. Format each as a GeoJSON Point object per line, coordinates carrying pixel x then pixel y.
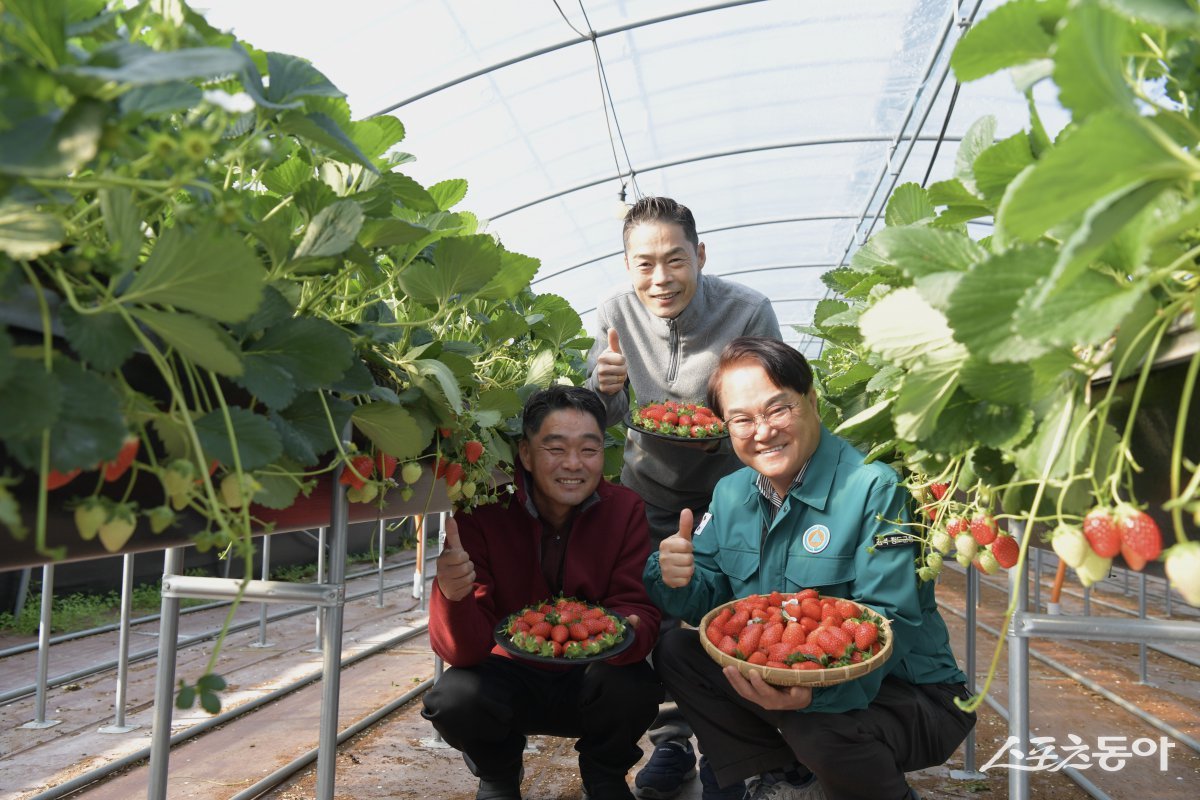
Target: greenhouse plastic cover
{"type": "Point", "coordinates": [782, 124]}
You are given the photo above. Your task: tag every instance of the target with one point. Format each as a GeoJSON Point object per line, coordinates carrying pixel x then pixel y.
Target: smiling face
{"type": "Point", "coordinates": [777, 453]}
{"type": "Point", "coordinates": [565, 458]}
{"type": "Point", "coordinates": [664, 267]}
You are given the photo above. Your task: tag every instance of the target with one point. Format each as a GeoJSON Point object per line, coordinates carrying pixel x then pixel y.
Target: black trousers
{"type": "Point", "coordinates": [857, 755]}
{"type": "Point", "coordinates": [486, 711]}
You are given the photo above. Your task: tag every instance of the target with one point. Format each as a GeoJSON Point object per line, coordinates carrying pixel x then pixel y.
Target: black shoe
{"type": "Point", "coordinates": [669, 766]}
{"type": "Point", "coordinates": [500, 788]}
{"type": "Point", "coordinates": [607, 790]}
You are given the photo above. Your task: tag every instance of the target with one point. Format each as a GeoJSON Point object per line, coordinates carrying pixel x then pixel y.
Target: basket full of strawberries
{"type": "Point", "coordinates": [797, 639]}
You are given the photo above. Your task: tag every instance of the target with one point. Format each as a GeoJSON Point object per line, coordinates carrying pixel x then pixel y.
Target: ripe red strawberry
{"type": "Point", "coordinates": [560, 633]}
{"type": "Point", "coordinates": [750, 638]}
{"type": "Point", "coordinates": [715, 633]}
{"type": "Point", "coordinates": [578, 631]}
{"type": "Point", "coordinates": [866, 635]}
{"type": "Point", "coordinates": [385, 465]}
{"type": "Point", "coordinates": [453, 473]}
{"type": "Point", "coordinates": [57, 480]}
{"type": "Point", "coordinates": [983, 528]}
{"type": "Point", "coordinates": [737, 622]}
{"type": "Point", "coordinates": [1006, 550]}
{"type": "Point", "coordinates": [1101, 531]}
{"type": "Point", "coordinates": [357, 471]}
{"type": "Point", "coordinates": [1141, 541]}
{"type": "Point", "coordinates": [773, 634]}
{"type": "Point", "coordinates": [728, 645]}
{"type": "Point", "coordinates": [955, 526]}
{"type": "Point", "coordinates": [116, 468]}
{"type": "Point", "coordinates": [811, 608]}
{"type": "Point", "coordinates": [542, 629]}
{"type": "Point", "coordinates": [472, 451]}
{"type": "Point", "coordinates": [793, 634]}
{"type": "Point", "coordinates": [757, 657]}
{"type": "Point", "coordinates": [847, 609]}
{"type": "Point", "coordinates": [833, 641]}
{"type": "Point", "coordinates": [779, 652]}
{"type": "Point", "coordinates": [939, 490]}
{"type": "Point", "coordinates": [811, 650]}
{"type": "Point", "coordinates": [446, 433]}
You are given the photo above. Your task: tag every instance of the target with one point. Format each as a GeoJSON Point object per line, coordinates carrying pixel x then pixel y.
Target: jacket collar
{"type": "Point", "coordinates": [818, 475]}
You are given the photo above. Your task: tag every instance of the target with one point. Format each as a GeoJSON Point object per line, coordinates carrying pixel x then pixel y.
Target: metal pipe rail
{"type": "Point", "coordinates": [90, 777]}
{"type": "Point", "coordinates": [1148, 718]}
{"type": "Point", "coordinates": [112, 626]}
{"type": "Point", "coordinates": [203, 636]}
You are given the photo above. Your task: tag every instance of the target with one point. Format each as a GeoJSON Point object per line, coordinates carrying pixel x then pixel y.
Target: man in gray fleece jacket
{"type": "Point", "coordinates": [662, 336]}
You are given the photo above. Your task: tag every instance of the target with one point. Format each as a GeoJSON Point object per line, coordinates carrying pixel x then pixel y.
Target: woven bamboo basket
{"type": "Point", "coordinates": [829, 676]}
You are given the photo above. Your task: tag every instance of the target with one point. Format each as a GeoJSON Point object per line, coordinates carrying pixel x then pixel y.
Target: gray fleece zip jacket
{"type": "Point", "coordinates": [671, 359]}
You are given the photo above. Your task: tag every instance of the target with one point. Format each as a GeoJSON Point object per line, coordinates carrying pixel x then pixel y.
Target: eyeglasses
{"type": "Point", "coordinates": [744, 426]}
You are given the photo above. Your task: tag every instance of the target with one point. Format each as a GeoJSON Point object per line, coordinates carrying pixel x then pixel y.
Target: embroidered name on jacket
{"type": "Point", "coordinates": [895, 540]}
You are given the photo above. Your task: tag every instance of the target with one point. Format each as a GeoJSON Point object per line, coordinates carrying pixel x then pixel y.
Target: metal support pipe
{"type": "Point", "coordinates": [320, 578]}
{"type": "Point", "coordinates": [262, 607]}
{"type": "Point", "coordinates": [119, 725]}
{"type": "Point", "coordinates": [1087, 601]}
{"type": "Point", "coordinates": [972, 600]}
{"type": "Point", "coordinates": [331, 674]}
{"type": "Point", "coordinates": [43, 659]}
{"type": "Point", "coordinates": [382, 533]}
{"type": "Point", "coordinates": [1108, 629]}
{"type": "Point", "coordinates": [1142, 616]}
{"type": "Point", "coordinates": [318, 594]}
{"type": "Point", "coordinates": [418, 585]}
{"type": "Point", "coordinates": [1037, 579]}
{"type": "Point", "coordinates": [164, 685]}
{"type": "Point", "coordinates": [216, 721]}
{"type": "Point", "coordinates": [1018, 681]}
{"type": "Point", "coordinates": [186, 641]}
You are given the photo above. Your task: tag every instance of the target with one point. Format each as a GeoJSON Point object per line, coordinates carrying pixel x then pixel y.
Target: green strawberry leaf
{"type": "Point", "coordinates": [210, 271]}
{"type": "Point", "coordinates": [390, 428]}
{"type": "Point", "coordinates": [197, 339]}
{"type": "Point", "coordinates": [257, 442]}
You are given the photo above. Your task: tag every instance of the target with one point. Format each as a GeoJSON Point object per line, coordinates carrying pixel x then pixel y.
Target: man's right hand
{"type": "Point", "coordinates": [611, 370]}
{"type": "Point", "coordinates": [455, 572]}
{"type": "Point", "coordinates": [675, 559]}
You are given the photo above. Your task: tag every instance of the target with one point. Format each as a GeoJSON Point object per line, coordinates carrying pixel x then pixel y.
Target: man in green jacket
{"type": "Point", "coordinates": [806, 512]}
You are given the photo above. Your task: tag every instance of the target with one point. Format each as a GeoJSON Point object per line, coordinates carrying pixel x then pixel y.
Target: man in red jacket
{"type": "Point", "coordinates": [564, 531]}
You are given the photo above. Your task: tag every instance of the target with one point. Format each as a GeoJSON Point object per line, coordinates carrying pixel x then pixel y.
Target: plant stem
{"type": "Point", "coordinates": [44, 456]}
{"type": "Point", "coordinates": [1185, 403]}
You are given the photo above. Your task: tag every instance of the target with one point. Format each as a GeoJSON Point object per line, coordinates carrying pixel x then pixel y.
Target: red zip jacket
{"type": "Point", "coordinates": [605, 556]}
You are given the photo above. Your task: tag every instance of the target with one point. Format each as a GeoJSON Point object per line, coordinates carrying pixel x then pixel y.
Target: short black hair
{"type": "Point", "coordinates": [661, 209]}
{"type": "Point", "coordinates": [785, 366]}
{"type": "Point", "coordinates": [557, 397]}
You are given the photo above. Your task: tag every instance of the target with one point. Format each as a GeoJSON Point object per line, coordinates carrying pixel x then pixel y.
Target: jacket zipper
{"type": "Point", "coordinates": [673, 346]}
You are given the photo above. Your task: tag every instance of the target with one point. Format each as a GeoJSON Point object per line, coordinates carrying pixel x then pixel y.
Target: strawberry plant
{"type": "Point", "coordinates": [209, 272]}
{"type": "Point", "coordinates": [1004, 376]}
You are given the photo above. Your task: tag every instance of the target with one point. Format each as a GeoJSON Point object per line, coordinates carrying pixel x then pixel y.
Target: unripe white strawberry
{"type": "Point", "coordinates": [1093, 569]}
{"type": "Point", "coordinates": [1070, 545]}
{"type": "Point", "coordinates": [1183, 568]}
{"type": "Point", "coordinates": [926, 574]}
{"type": "Point", "coordinates": [934, 562]}
{"type": "Point", "coordinates": [964, 543]}
{"type": "Point", "coordinates": [987, 562]}
{"type": "Point", "coordinates": [941, 542]}
{"type": "Point", "coordinates": [963, 560]}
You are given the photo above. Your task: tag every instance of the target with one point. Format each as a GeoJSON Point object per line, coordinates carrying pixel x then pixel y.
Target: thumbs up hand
{"type": "Point", "coordinates": [675, 558]}
{"type": "Point", "coordinates": [455, 572]}
{"type": "Point", "coordinates": [611, 370]}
